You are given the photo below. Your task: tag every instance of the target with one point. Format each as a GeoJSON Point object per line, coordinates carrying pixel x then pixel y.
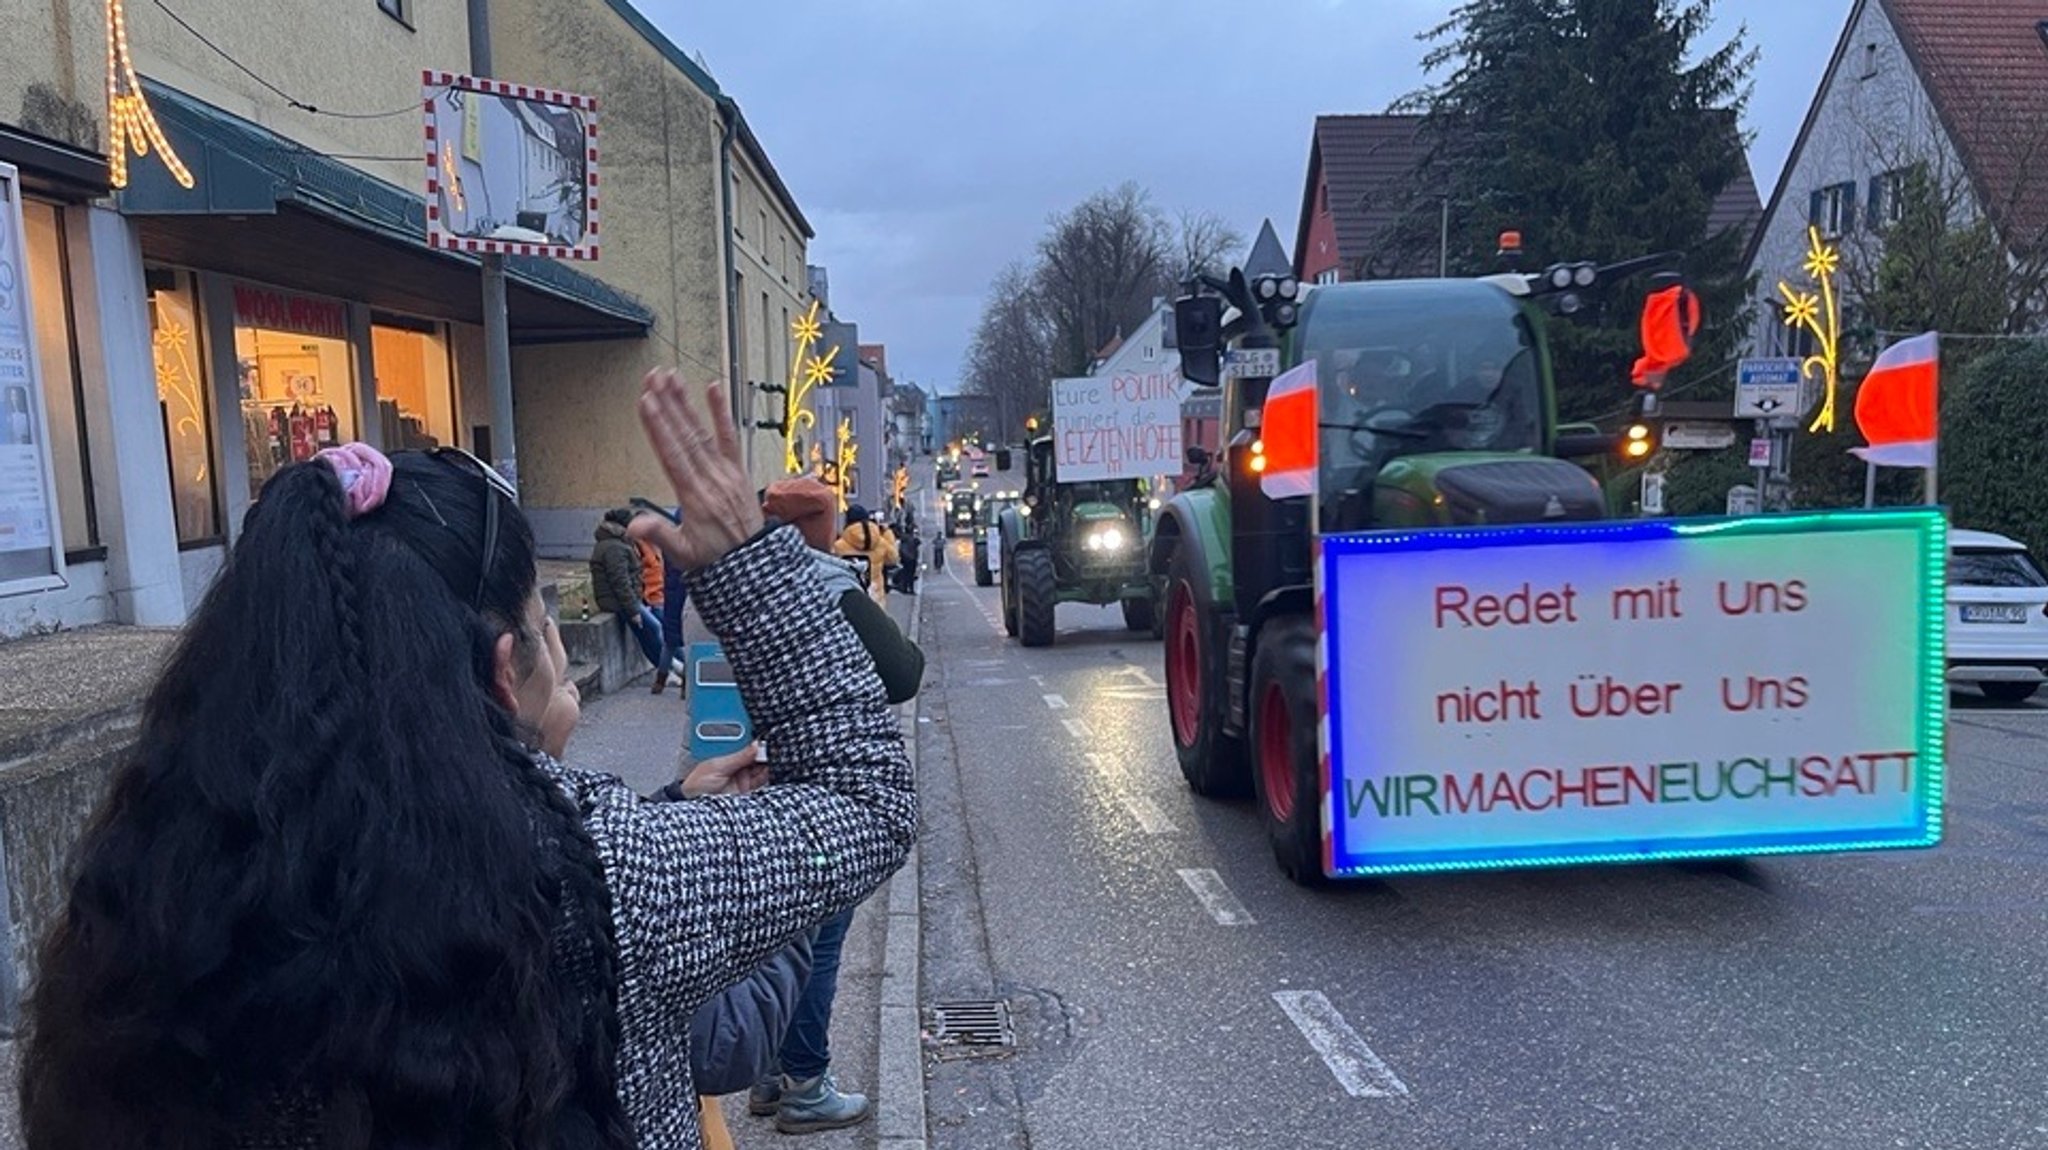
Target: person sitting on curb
{"type": "Point", "coordinates": [616, 581]}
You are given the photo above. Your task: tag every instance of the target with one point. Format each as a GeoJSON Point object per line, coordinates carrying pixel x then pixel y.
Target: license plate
{"type": "Point", "coordinates": [1994, 613]}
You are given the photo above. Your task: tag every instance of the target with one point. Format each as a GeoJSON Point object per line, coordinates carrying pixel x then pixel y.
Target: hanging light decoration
{"type": "Point", "coordinates": [130, 121]}
{"type": "Point", "coordinates": [1819, 314]}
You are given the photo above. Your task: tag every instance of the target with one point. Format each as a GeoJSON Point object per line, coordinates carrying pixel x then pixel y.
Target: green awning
{"type": "Point", "coordinates": [270, 209]}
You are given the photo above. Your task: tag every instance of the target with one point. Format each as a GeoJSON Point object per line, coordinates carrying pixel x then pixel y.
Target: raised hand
{"type": "Point", "coordinates": [700, 450]}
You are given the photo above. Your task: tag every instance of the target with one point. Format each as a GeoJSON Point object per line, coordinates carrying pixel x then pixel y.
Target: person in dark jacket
{"type": "Point", "coordinates": [615, 582]}
{"type": "Point", "coordinates": [808, 505]}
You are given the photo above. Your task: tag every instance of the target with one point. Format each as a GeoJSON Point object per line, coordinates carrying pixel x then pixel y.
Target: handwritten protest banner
{"type": "Point", "coordinates": [1120, 426]}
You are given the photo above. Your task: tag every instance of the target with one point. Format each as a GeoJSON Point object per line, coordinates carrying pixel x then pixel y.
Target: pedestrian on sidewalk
{"type": "Point", "coordinates": [675, 595]}
{"type": "Point", "coordinates": [800, 1091]}
{"type": "Point", "coordinates": [865, 537]}
{"type": "Point", "coordinates": [617, 583]}
{"type": "Point", "coordinates": [340, 897]}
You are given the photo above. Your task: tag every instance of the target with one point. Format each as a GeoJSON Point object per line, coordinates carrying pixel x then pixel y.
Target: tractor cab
{"type": "Point", "coordinates": [1433, 409]}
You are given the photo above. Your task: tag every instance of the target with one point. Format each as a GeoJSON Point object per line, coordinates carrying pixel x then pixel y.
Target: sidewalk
{"type": "Point", "coordinates": [876, 1044]}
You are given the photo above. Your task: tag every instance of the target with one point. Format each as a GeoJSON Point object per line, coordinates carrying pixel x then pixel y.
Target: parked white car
{"type": "Point", "coordinates": [1998, 616]}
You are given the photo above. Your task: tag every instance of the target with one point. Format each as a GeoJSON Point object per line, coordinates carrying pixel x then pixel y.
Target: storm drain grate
{"type": "Point", "coordinates": [977, 1025]}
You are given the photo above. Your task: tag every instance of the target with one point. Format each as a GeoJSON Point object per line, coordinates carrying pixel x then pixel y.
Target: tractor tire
{"type": "Point", "coordinates": [983, 577]}
{"type": "Point", "coordinates": [1140, 615]}
{"type": "Point", "coordinates": [1158, 609]}
{"type": "Point", "coordinates": [1038, 595]}
{"type": "Point", "coordinates": [1212, 762]}
{"type": "Point", "coordinates": [1286, 774]}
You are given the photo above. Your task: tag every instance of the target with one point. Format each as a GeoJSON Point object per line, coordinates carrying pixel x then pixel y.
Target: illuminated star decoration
{"type": "Point", "coordinates": [1819, 313]}
{"type": "Point", "coordinates": [807, 370]}
{"type": "Point", "coordinates": [129, 118]}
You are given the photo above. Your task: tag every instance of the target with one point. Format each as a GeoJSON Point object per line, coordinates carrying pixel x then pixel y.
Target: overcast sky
{"type": "Point", "coordinates": [928, 141]}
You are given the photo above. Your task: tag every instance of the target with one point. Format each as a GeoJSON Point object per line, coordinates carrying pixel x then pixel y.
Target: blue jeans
{"type": "Point", "coordinates": [807, 1048]}
{"type": "Point", "coordinates": [674, 595]}
{"type": "Point", "coordinates": [647, 634]}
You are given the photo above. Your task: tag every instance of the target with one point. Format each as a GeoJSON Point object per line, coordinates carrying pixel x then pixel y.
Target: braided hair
{"type": "Point", "coordinates": [332, 899]}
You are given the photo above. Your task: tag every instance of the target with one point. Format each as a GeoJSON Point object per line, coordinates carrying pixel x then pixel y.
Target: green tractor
{"type": "Point", "coordinates": [1072, 543]}
{"type": "Point", "coordinates": [992, 508]}
{"type": "Point", "coordinates": [1435, 406]}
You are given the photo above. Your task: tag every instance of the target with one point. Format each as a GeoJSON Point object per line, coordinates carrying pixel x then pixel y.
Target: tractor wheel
{"type": "Point", "coordinates": [1285, 773]}
{"type": "Point", "coordinates": [1139, 615]}
{"type": "Point", "coordinates": [1037, 595]}
{"type": "Point", "coordinates": [1211, 761]}
{"type": "Point", "coordinates": [982, 575]}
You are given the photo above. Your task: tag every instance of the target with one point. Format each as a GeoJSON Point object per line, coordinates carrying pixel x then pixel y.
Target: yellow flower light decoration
{"type": "Point", "coordinates": [848, 451]}
{"type": "Point", "coordinates": [1820, 313]}
{"type": "Point", "coordinates": [807, 370]}
{"type": "Point", "coordinates": [130, 121]}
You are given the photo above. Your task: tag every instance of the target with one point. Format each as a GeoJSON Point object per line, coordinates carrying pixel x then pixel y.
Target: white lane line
{"type": "Point", "coordinates": [1038, 679]}
{"type": "Point", "coordinates": [1077, 728]}
{"type": "Point", "coordinates": [995, 622]}
{"type": "Point", "coordinates": [1359, 1071]}
{"type": "Point", "coordinates": [1216, 898]}
{"type": "Point", "coordinates": [1055, 702]}
{"type": "Point", "coordinates": [1143, 811]}
{"type": "Point", "coordinates": [1150, 818]}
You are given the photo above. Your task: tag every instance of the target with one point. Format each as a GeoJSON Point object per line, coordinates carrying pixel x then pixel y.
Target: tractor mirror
{"type": "Point", "coordinates": [1002, 459]}
{"type": "Point", "coordinates": [1197, 455]}
{"type": "Point", "coordinates": [1198, 331]}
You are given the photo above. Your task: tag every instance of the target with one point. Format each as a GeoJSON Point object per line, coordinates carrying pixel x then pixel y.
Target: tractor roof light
{"type": "Point", "coordinates": [1560, 277]}
{"type": "Point", "coordinates": [1267, 287]}
{"type": "Point", "coordinates": [1284, 315]}
{"type": "Point", "coordinates": [1290, 288]}
{"type": "Point", "coordinates": [1584, 275]}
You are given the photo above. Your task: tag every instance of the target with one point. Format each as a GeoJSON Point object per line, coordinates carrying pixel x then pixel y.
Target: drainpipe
{"type": "Point", "coordinates": [740, 395]}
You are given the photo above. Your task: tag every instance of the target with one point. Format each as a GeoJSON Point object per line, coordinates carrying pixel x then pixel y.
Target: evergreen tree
{"type": "Point", "coordinates": [1595, 129]}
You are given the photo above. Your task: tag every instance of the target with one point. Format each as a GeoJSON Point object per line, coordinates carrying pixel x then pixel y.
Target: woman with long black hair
{"type": "Point", "coordinates": [339, 899]}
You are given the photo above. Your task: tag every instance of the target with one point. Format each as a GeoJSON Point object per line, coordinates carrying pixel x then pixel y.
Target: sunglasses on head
{"type": "Point", "coordinates": [464, 461]}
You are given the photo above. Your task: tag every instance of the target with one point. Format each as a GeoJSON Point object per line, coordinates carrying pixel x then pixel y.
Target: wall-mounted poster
{"type": "Point", "coordinates": [29, 547]}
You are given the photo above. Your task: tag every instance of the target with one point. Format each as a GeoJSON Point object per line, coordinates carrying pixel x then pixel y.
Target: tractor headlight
{"type": "Point", "coordinates": [1107, 539]}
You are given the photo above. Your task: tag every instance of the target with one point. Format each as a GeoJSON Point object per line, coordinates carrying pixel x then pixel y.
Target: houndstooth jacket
{"type": "Point", "coordinates": [704, 891]}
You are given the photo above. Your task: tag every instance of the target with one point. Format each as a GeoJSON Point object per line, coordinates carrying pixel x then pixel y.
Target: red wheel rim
{"type": "Point", "coordinates": [1276, 753]}
{"type": "Point", "coordinates": [1184, 666]}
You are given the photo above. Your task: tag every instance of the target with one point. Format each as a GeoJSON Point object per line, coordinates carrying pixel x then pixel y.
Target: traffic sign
{"type": "Point", "coordinates": [1742, 500]}
{"type": "Point", "coordinates": [1768, 388]}
{"type": "Point", "coordinates": [1760, 452]}
{"type": "Point", "coordinates": [1251, 363]}
{"type": "Point", "coordinates": [1698, 436]}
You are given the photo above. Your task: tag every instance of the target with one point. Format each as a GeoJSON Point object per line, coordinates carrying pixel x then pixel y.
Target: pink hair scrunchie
{"type": "Point", "coordinates": [365, 475]}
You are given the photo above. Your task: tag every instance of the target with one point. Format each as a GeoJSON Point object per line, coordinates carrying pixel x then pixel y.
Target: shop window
{"type": "Point", "coordinates": [181, 397]}
{"type": "Point", "coordinates": [49, 294]}
{"type": "Point", "coordinates": [415, 389]}
{"type": "Point", "coordinates": [296, 373]}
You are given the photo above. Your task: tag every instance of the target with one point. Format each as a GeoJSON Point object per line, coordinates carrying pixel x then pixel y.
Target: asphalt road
{"type": "Point", "coordinates": [1171, 989]}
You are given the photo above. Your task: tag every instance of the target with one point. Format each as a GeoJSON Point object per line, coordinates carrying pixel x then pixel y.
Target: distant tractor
{"type": "Point", "coordinates": [1072, 543]}
{"type": "Point", "coordinates": [992, 508]}
{"type": "Point", "coordinates": [962, 509]}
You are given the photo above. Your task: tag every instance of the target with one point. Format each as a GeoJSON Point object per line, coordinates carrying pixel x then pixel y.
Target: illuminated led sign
{"type": "Point", "coordinates": [1533, 696]}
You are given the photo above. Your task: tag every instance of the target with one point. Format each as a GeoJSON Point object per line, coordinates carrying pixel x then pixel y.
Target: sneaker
{"type": "Point", "coordinates": [660, 680]}
{"type": "Point", "coordinates": [817, 1104]}
{"type": "Point", "coordinates": [766, 1097]}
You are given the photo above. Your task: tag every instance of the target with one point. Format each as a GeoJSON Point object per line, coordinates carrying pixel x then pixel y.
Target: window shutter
{"type": "Point", "coordinates": [1813, 206]}
{"type": "Point", "coordinates": [1848, 194]}
{"type": "Point", "coordinates": [1876, 217]}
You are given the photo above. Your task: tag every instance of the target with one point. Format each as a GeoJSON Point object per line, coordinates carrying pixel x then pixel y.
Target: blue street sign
{"type": "Point", "coordinates": [719, 724]}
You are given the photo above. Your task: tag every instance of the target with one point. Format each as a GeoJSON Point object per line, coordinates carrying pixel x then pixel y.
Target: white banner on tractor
{"type": "Point", "coordinates": [1121, 426]}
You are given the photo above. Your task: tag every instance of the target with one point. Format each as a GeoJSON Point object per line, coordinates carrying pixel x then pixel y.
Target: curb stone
{"type": "Point", "coordinates": [899, 1063]}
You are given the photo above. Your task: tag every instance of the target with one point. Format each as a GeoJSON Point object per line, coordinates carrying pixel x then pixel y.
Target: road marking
{"type": "Point", "coordinates": [1077, 728]}
{"type": "Point", "coordinates": [1150, 818]}
{"type": "Point", "coordinates": [1055, 702]}
{"type": "Point", "coordinates": [1359, 1071]}
{"type": "Point", "coordinates": [1216, 898]}
{"type": "Point", "coordinates": [994, 621]}
{"type": "Point", "coordinates": [1038, 679]}
{"type": "Point", "coordinates": [1138, 673]}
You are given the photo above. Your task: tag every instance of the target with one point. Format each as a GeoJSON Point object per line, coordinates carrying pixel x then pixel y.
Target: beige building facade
{"type": "Point", "coordinates": [189, 341]}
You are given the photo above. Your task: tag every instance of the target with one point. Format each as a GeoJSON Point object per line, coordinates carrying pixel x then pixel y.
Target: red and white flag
{"type": "Point", "coordinates": [1287, 429]}
{"type": "Point", "coordinates": [1897, 405]}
